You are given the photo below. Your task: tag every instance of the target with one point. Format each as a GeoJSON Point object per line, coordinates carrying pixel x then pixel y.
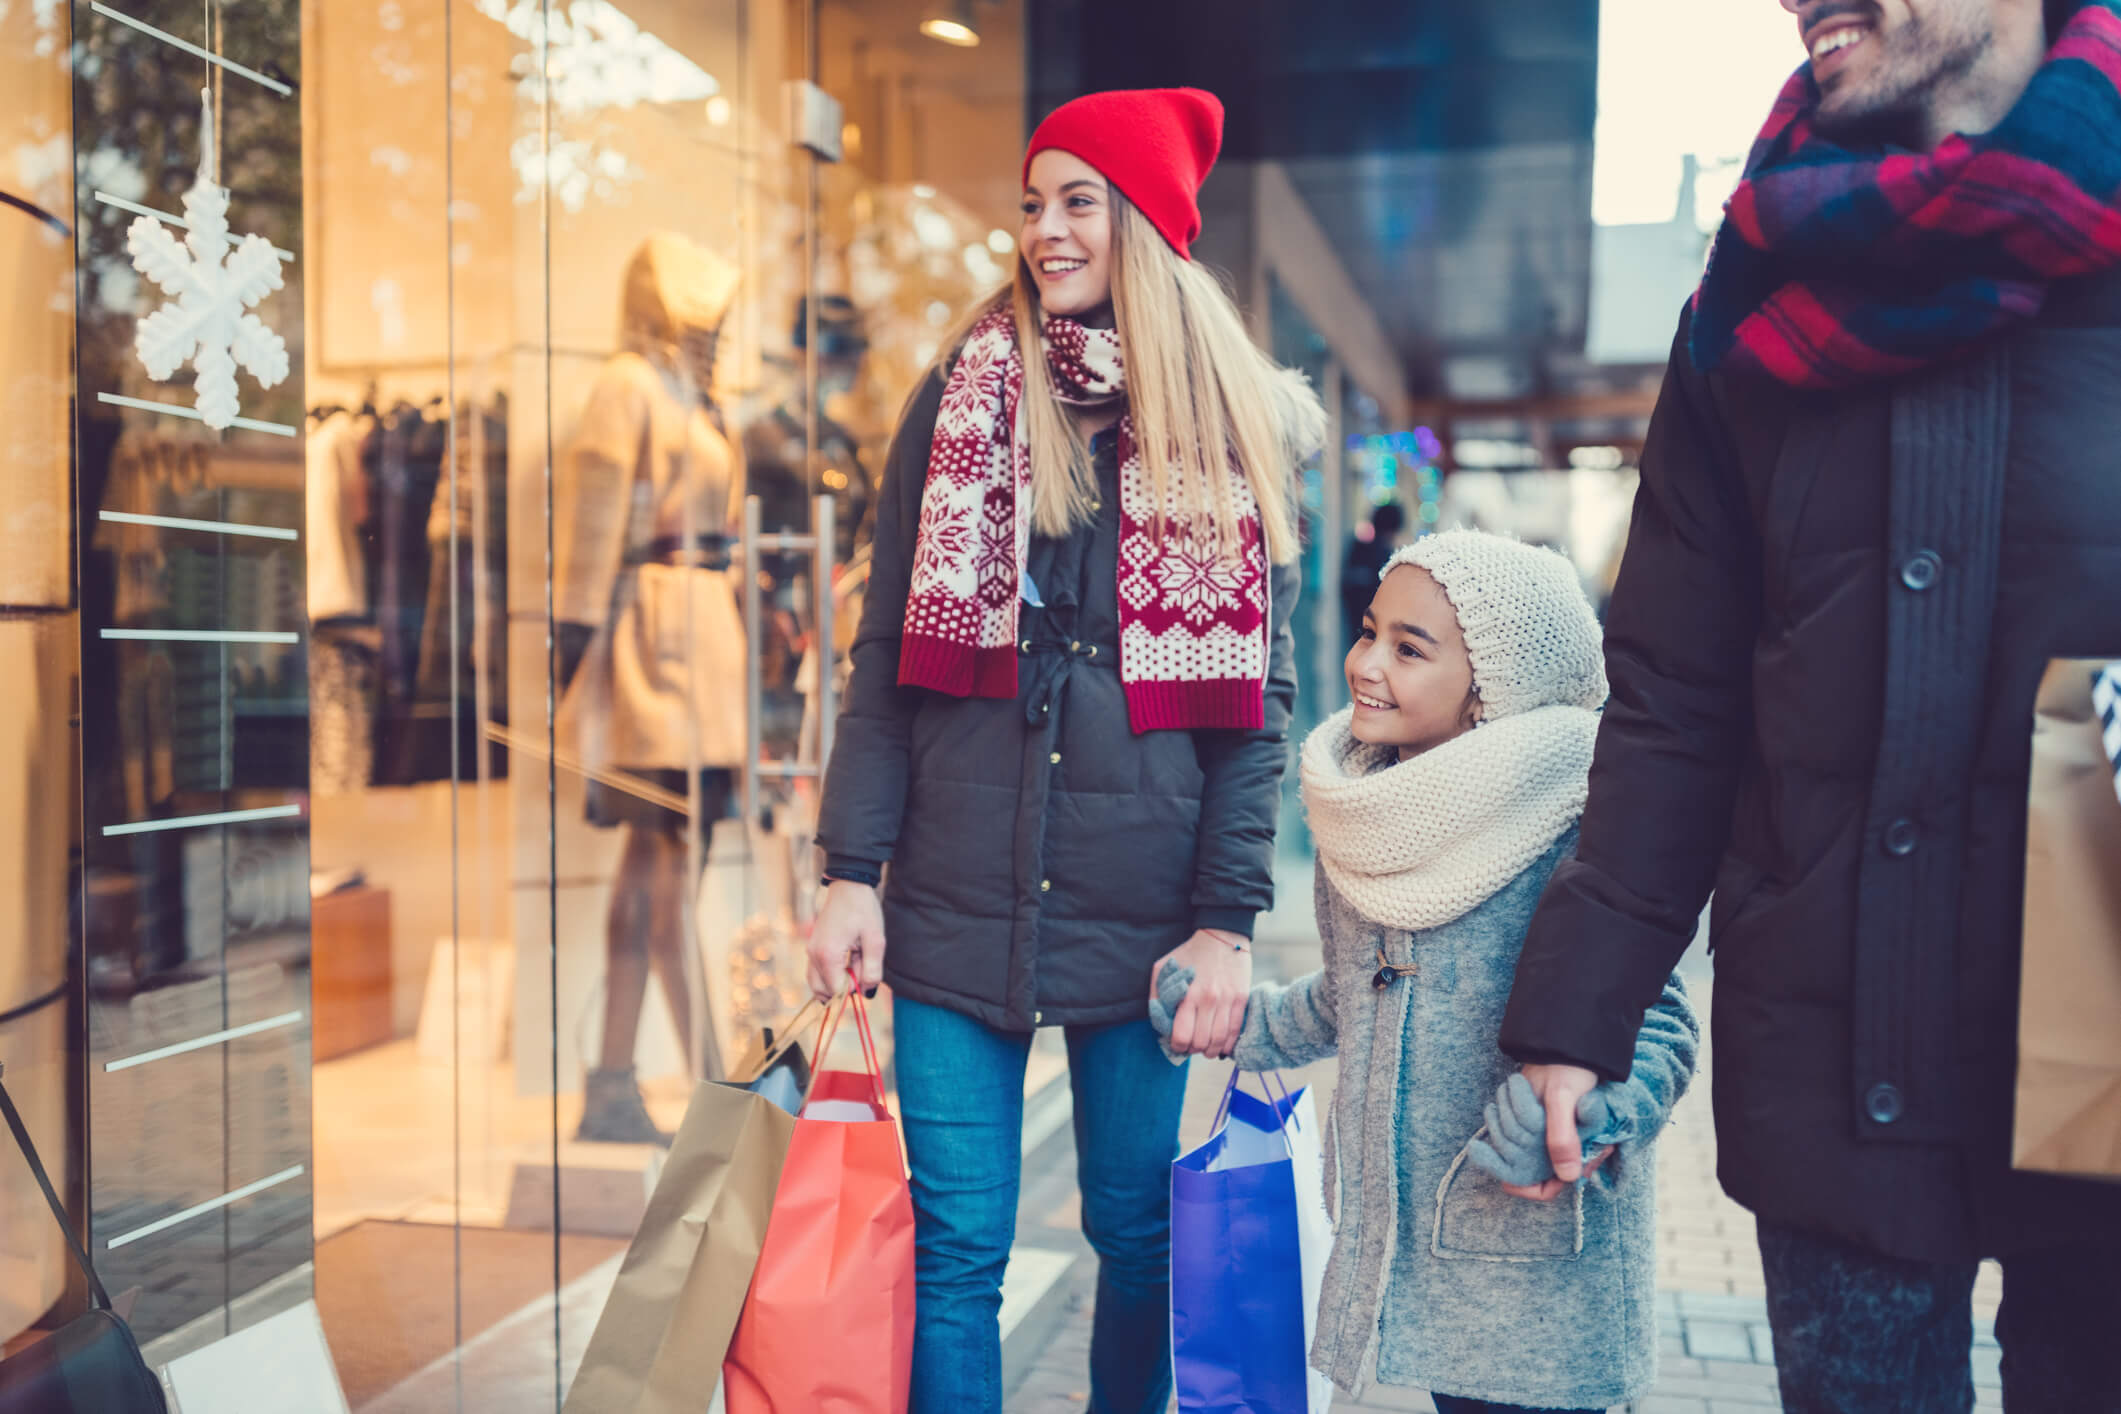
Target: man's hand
{"type": "Point", "coordinates": [1559, 1087]}
{"type": "Point", "coordinates": [849, 928]}
{"type": "Point", "coordinates": [1213, 1012]}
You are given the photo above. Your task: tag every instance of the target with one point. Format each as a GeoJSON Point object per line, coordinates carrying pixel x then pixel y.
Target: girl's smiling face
{"type": "Point", "coordinates": [1066, 240]}
{"type": "Point", "coordinates": [1409, 672]}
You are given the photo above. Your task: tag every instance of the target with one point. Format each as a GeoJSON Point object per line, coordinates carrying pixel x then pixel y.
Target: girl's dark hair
{"type": "Point", "coordinates": [2058, 13]}
{"type": "Point", "coordinates": [1469, 710]}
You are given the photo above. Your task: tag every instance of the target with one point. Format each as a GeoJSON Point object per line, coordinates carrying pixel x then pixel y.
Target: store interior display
{"type": "Point", "coordinates": [405, 567]}
{"type": "Point", "coordinates": [350, 971]}
{"type": "Point", "coordinates": [784, 475]}
{"type": "Point", "coordinates": [450, 618]}
{"type": "Point", "coordinates": [675, 930]}
{"type": "Point", "coordinates": [644, 507]}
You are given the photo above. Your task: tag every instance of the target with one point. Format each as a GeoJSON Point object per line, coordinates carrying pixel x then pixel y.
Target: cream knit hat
{"type": "Point", "coordinates": [1529, 629]}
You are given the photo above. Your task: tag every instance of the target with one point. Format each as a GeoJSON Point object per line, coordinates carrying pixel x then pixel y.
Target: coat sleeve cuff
{"type": "Point", "coordinates": [1226, 920]}
{"type": "Point", "coordinates": [854, 870]}
{"type": "Point", "coordinates": [1587, 978]}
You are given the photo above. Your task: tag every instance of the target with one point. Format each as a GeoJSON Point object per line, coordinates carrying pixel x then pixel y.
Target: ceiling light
{"type": "Point", "coordinates": [953, 23]}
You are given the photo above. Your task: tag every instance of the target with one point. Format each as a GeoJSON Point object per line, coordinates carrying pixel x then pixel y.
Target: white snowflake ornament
{"type": "Point", "coordinates": [212, 280]}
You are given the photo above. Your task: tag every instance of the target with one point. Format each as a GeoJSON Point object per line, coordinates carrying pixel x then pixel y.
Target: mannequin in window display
{"type": "Point", "coordinates": [651, 647]}
{"type": "Point", "coordinates": [778, 473]}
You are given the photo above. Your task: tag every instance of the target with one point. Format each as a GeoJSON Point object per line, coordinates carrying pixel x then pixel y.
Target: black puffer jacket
{"type": "Point", "coordinates": [1043, 857]}
{"type": "Point", "coordinates": [1824, 646]}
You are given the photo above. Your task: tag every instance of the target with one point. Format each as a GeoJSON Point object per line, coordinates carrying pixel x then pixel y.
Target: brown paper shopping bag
{"type": "Point", "coordinates": [658, 1347]}
{"type": "Point", "coordinates": [2068, 1118]}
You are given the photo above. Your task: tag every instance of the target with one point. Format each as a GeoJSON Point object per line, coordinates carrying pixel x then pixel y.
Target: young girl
{"type": "Point", "coordinates": [1440, 801]}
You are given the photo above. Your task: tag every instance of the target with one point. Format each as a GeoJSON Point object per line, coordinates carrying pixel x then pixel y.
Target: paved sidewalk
{"type": "Point", "coordinates": [1717, 1357]}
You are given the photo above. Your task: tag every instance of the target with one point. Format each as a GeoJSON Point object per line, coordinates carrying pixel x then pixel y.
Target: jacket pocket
{"type": "Point", "coordinates": [1737, 880]}
{"type": "Point", "coordinates": [1477, 1221]}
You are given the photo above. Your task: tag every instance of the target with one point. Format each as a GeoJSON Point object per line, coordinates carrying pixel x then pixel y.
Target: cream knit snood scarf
{"type": "Point", "coordinates": [1415, 844]}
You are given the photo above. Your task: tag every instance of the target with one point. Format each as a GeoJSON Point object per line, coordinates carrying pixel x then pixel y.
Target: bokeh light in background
{"type": "Point", "coordinates": [1402, 467]}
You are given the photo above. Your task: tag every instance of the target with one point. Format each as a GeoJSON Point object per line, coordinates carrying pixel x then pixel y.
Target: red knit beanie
{"type": "Point", "coordinates": [1155, 144]}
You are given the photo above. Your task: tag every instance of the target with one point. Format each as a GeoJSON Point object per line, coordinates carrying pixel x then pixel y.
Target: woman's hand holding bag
{"type": "Point", "coordinates": [847, 941]}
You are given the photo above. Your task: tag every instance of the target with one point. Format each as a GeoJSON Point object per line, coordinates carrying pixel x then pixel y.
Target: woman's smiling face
{"type": "Point", "coordinates": [1409, 672]}
{"type": "Point", "coordinates": [1066, 239]}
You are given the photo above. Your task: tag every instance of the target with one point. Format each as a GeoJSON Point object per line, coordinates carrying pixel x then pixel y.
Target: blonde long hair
{"type": "Point", "coordinates": [1199, 391]}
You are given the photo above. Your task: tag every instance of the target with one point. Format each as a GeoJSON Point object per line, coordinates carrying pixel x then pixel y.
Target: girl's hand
{"type": "Point", "coordinates": [1213, 1013]}
{"type": "Point", "coordinates": [850, 928]}
{"type": "Point", "coordinates": [1553, 1188]}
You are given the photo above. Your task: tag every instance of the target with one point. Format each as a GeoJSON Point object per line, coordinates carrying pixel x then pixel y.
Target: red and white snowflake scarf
{"type": "Point", "coordinates": [1192, 622]}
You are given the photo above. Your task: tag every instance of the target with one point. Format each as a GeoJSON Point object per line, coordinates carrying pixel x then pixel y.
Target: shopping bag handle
{"type": "Point", "coordinates": [854, 1001]}
{"type": "Point", "coordinates": [1286, 1113]}
{"type": "Point", "coordinates": [835, 1010]}
{"type": "Point", "coordinates": [790, 1034]}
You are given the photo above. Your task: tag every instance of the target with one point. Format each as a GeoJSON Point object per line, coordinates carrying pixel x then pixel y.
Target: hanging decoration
{"type": "Point", "coordinates": [212, 280]}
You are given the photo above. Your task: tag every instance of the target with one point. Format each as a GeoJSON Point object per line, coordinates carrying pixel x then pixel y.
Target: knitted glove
{"type": "Point", "coordinates": [1515, 1150]}
{"type": "Point", "coordinates": [1624, 1115]}
{"type": "Point", "coordinates": [1172, 984]}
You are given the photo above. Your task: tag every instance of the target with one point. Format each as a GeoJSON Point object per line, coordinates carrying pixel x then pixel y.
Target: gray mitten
{"type": "Point", "coordinates": [1515, 1150]}
{"type": "Point", "coordinates": [1620, 1116]}
{"type": "Point", "coordinates": [1172, 984]}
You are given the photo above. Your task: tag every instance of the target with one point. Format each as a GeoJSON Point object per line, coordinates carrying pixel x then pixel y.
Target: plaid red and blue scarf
{"type": "Point", "coordinates": [1837, 267]}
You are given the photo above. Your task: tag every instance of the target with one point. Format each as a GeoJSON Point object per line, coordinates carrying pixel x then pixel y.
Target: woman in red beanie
{"type": "Point", "coordinates": [1066, 725]}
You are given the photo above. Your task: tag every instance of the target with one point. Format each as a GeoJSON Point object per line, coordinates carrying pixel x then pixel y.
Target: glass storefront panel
{"type": "Point", "coordinates": [416, 772]}
{"type": "Point", "coordinates": [189, 475]}
{"type": "Point", "coordinates": [39, 650]}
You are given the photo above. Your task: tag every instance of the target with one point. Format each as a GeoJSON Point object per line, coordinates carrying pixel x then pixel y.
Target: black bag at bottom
{"type": "Point", "coordinates": [90, 1365]}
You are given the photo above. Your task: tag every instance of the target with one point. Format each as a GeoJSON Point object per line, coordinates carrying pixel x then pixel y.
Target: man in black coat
{"type": "Point", "coordinates": [1881, 492]}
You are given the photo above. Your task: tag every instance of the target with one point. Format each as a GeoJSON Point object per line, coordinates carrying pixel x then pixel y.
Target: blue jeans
{"type": "Point", "coordinates": [1454, 1404]}
{"type": "Point", "coordinates": [1858, 1333]}
{"type": "Point", "coordinates": [961, 1094]}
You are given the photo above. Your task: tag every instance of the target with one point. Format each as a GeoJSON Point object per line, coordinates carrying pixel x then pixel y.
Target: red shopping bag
{"type": "Point", "coordinates": [828, 1325]}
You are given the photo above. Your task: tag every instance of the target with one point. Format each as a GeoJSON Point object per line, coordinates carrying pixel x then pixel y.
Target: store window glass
{"type": "Point", "coordinates": [194, 918]}
{"type": "Point", "coordinates": [39, 649]}
{"type": "Point", "coordinates": [455, 439]}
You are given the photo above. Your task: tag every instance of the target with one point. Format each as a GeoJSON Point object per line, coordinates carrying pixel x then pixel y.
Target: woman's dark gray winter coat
{"type": "Point", "coordinates": [1043, 856]}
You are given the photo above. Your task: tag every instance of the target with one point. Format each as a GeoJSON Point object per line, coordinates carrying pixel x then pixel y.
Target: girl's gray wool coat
{"type": "Point", "coordinates": [1454, 1285]}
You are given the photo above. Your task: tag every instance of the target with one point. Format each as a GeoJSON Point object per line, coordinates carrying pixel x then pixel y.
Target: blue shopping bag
{"type": "Point", "coordinates": [1249, 1238]}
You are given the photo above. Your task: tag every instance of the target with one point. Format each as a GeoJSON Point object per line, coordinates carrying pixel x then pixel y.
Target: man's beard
{"type": "Point", "coordinates": [1894, 111]}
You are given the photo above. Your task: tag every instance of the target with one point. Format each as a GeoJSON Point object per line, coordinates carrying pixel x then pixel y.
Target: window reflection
{"type": "Point", "coordinates": [594, 59]}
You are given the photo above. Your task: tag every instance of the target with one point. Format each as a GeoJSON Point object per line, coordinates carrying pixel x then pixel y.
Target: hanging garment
{"type": "Point", "coordinates": [461, 676]}
{"type": "Point", "coordinates": [644, 499]}
{"type": "Point", "coordinates": [404, 467]}
{"type": "Point", "coordinates": [336, 490]}
{"type": "Point", "coordinates": [342, 708]}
